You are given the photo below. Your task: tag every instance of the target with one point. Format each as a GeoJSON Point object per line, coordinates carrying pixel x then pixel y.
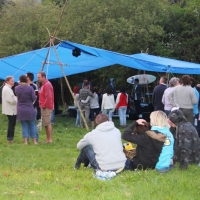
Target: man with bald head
{"type": "Point", "coordinates": [102, 147]}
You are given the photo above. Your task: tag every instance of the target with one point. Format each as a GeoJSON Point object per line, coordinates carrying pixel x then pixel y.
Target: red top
{"type": "Point", "coordinates": [122, 100]}
{"type": "Point", "coordinates": [46, 96]}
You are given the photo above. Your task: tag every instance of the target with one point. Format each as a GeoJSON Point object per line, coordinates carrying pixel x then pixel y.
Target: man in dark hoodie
{"type": "Point", "coordinates": [187, 142]}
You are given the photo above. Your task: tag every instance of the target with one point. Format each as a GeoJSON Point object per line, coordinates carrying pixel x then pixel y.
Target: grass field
{"type": "Point", "coordinates": [46, 171]}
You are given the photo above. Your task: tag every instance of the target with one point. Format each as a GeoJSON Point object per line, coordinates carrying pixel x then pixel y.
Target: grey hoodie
{"type": "Point", "coordinates": [107, 145]}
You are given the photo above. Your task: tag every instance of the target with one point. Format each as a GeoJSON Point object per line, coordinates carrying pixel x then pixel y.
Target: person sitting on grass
{"type": "Point", "coordinates": [187, 142]}
{"type": "Point", "coordinates": [102, 147]}
{"type": "Point", "coordinates": [150, 144]}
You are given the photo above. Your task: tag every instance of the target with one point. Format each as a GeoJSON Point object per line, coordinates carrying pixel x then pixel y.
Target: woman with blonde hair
{"type": "Point", "coordinates": [9, 106]}
{"type": "Point", "coordinates": [159, 123]}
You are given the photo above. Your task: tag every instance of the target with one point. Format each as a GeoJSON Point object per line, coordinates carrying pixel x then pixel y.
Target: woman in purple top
{"type": "Point", "coordinates": [25, 110]}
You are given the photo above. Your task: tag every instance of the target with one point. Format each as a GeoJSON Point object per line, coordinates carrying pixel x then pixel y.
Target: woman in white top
{"type": "Point", "coordinates": [108, 103]}
{"type": "Point", "coordinates": [9, 106]}
{"type": "Point", "coordinates": [94, 105]}
{"type": "Point", "coordinates": [168, 106]}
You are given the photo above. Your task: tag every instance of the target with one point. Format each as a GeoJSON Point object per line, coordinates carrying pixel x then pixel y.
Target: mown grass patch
{"type": "Point", "coordinates": [46, 171]}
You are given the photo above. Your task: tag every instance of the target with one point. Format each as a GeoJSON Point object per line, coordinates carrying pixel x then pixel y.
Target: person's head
{"type": "Point", "coordinates": [41, 77]}
{"type": "Point", "coordinates": [76, 89]}
{"type": "Point", "coordinates": [159, 118]}
{"type": "Point", "coordinates": [85, 80]}
{"type": "Point", "coordinates": [186, 80]}
{"type": "Point", "coordinates": [174, 82]}
{"type": "Point", "coordinates": [112, 80]}
{"type": "Point", "coordinates": [163, 80]}
{"type": "Point", "coordinates": [23, 79]}
{"type": "Point", "coordinates": [100, 118]}
{"type": "Point", "coordinates": [193, 82]}
{"type": "Point", "coordinates": [122, 89]}
{"type": "Point", "coordinates": [108, 90]}
{"type": "Point", "coordinates": [86, 85]}
{"type": "Point", "coordinates": [139, 129]}
{"type": "Point", "coordinates": [30, 77]}
{"type": "Point", "coordinates": [176, 117]}
{"type": "Point", "coordinates": [136, 81]}
{"type": "Point", "coordinates": [10, 80]}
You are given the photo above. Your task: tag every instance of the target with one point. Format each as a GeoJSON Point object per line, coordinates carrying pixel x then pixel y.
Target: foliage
{"type": "Point", "coordinates": [25, 27]}
{"type": "Point", "coordinates": [45, 171]}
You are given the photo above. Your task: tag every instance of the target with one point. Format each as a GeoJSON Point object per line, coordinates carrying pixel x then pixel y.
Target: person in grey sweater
{"type": "Point", "coordinates": [183, 96]}
{"type": "Point", "coordinates": [94, 105]}
{"type": "Point", "coordinates": [102, 147]}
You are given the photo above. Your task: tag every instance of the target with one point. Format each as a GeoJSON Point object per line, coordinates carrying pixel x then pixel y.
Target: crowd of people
{"type": "Point", "coordinates": [170, 137]}
{"type": "Point", "coordinates": [87, 98]}
{"type": "Point", "coordinates": [22, 105]}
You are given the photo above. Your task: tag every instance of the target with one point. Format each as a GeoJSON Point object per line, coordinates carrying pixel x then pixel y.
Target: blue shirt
{"type": "Point", "coordinates": [168, 148]}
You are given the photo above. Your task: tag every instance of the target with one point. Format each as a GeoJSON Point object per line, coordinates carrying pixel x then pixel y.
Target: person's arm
{"type": "Point", "coordinates": [83, 142]}
{"type": "Point", "coordinates": [194, 97]}
{"type": "Point", "coordinates": [117, 99]}
{"type": "Point", "coordinates": [103, 102]}
{"type": "Point", "coordinates": [113, 102]}
{"type": "Point", "coordinates": [171, 98]}
{"type": "Point", "coordinates": [163, 98]}
{"type": "Point", "coordinates": [85, 101]}
{"type": "Point", "coordinates": [129, 136]}
{"type": "Point", "coordinates": [33, 96]}
{"type": "Point", "coordinates": [10, 97]}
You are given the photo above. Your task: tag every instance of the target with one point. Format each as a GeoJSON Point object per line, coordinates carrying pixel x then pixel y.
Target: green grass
{"type": "Point", "coordinates": [46, 171]}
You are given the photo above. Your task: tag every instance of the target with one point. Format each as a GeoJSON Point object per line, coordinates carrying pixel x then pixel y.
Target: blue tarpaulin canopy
{"type": "Point", "coordinates": [91, 58]}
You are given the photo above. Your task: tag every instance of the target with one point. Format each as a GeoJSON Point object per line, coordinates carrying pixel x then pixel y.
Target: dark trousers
{"type": "Point", "coordinates": [87, 156]}
{"type": "Point", "coordinates": [11, 126]}
{"type": "Point", "coordinates": [135, 163]}
{"type": "Point", "coordinates": [138, 109]}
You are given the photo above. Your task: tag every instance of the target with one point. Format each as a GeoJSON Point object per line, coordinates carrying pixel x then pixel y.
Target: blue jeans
{"type": "Point", "coordinates": [122, 115]}
{"type": "Point", "coordinates": [77, 117]}
{"type": "Point", "coordinates": [28, 127]}
{"type": "Point", "coordinates": [108, 112]}
{"type": "Point", "coordinates": [87, 155]}
{"type": "Point", "coordinates": [37, 135]}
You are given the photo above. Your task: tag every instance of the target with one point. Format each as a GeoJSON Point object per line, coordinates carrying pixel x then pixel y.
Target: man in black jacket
{"type": "Point", "coordinates": [158, 93]}
{"type": "Point", "coordinates": [137, 90]}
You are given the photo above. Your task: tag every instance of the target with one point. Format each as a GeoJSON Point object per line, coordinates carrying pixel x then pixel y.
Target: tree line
{"type": "Point", "coordinates": [168, 28]}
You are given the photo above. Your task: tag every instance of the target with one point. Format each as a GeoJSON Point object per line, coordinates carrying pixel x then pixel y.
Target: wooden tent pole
{"type": "Point", "coordinates": [65, 77]}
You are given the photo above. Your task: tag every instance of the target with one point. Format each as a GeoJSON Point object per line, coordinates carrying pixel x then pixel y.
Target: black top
{"type": "Point", "coordinates": [157, 97]}
{"type": "Point", "coordinates": [148, 149]}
